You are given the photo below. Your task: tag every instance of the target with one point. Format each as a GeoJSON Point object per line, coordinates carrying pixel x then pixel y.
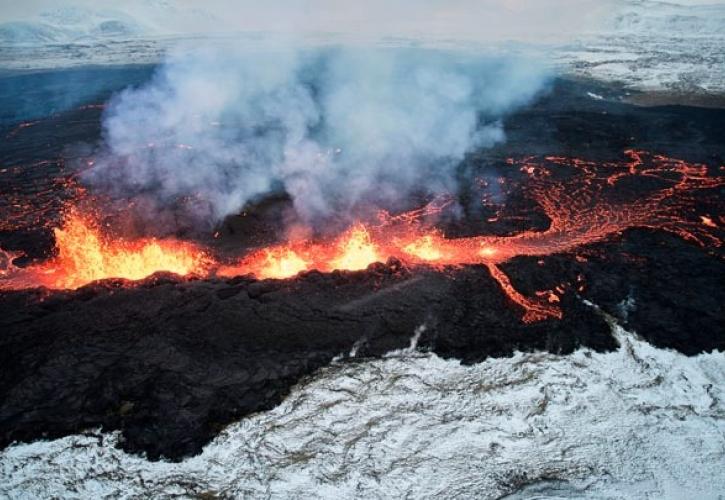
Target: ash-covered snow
{"type": "Point", "coordinates": [638, 422]}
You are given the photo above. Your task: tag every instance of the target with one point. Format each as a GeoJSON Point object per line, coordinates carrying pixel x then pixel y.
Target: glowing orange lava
{"type": "Point", "coordinates": [587, 207]}
{"type": "Point", "coordinates": [352, 251]}
{"type": "Point", "coordinates": [355, 250]}
{"type": "Point", "coordinates": [593, 203]}
{"type": "Point", "coordinates": [274, 263]}
{"type": "Point", "coordinates": [85, 255]}
{"type": "Point", "coordinates": [282, 263]}
{"type": "Point", "coordinates": [426, 248]}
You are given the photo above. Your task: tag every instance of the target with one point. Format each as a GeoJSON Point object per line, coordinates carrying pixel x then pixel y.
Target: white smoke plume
{"type": "Point", "coordinates": [337, 129]}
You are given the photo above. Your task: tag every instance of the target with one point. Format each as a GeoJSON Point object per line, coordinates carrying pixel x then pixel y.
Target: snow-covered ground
{"type": "Point", "coordinates": [644, 44]}
{"type": "Point", "coordinates": [657, 46]}
{"type": "Point", "coordinates": [639, 422]}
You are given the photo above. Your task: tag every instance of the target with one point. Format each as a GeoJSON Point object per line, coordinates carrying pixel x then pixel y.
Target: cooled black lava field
{"type": "Point", "coordinates": [170, 360]}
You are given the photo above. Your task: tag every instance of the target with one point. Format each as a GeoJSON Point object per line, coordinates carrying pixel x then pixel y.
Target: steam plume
{"type": "Point", "coordinates": [337, 129]}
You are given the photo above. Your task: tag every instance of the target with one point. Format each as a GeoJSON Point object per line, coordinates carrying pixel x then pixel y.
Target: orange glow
{"type": "Point", "coordinates": [273, 263]}
{"type": "Point", "coordinates": [487, 251]}
{"type": "Point", "coordinates": [427, 248]}
{"type": "Point", "coordinates": [356, 250]}
{"type": "Point", "coordinates": [588, 206]}
{"type": "Point", "coordinates": [352, 251]}
{"type": "Point", "coordinates": [86, 255]}
{"type": "Point", "coordinates": [707, 221]}
{"type": "Point", "coordinates": [534, 310]}
{"type": "Point", "coordinates": [282, 264]}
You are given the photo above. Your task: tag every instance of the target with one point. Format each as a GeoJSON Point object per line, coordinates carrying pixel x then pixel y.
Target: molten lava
{"type": "Point", "coordinates": [355, 250]}
{"type": "Point", "coordinates": [269, 263]}
{"type": "Point", "coordinates": [352, 251]}
{"type": "Point", "coordinates": [281, 263]}
{"type": "Point", "coordinates": [85, 254]}
{"type": "Point", "coordinates": [426, 248]}
{"type": "Point", "coordinates": [593, 203]}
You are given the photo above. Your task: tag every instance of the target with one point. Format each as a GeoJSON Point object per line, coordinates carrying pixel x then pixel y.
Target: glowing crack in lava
{"type": "Point", "coordinates": [593, 201]}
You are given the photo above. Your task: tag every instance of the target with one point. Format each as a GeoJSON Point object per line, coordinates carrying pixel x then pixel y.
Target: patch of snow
{"type": "Point", "coordinates": [637, 422]}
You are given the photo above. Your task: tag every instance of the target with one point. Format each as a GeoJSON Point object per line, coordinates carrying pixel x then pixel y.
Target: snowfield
{"type": "Point", "coordinates": [638, 422]}
{"type": "Point", "coordinates": [643, 44]}
{"type": "Point", "coordinates": [689, 64]}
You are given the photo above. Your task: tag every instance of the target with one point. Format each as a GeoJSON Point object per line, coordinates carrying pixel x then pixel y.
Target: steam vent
{"type": "Point", "coordinates": [465, 249]}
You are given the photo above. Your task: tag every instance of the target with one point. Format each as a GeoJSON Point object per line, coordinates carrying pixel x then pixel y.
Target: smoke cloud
{"type": "Point", "coordinates": [340, 130]}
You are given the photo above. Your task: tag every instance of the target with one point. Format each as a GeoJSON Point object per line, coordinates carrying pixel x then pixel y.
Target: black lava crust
{"type": "Point", "coordinates": [169, 362]}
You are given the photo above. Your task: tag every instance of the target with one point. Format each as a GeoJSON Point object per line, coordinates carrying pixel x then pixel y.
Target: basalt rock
{"type": "Point", "coordinates": [169, 361]}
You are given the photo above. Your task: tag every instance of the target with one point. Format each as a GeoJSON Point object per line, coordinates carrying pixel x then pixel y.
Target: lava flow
{"type": "Point", "coordinates": [588, 206]}
{"type": "Point", "coordinates": [85, 255]}
{"type": "Point", "coordinates": [593, 202]}
{"type": "Point", "coordinates": [352, 251]}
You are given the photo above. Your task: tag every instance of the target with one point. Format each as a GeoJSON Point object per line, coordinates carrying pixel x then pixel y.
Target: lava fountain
{"type": "Point", "coordinates": [352, 251]}
{"type": "Point", "coordinates": [595, 201]}
{"type": "Point", "coordinates": [85, 254]}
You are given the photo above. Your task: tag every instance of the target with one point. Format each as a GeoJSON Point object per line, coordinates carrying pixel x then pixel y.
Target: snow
{"type": "Point", "coordinates": [667, 62]}
{"type": "Point", "coordinates": [647, 16]}
{"type": "Point", "coordinates": [642, 44]}
{"type": "Point", "coordinates": [638, 422]}
{"type": "Point", "coordinates": [70, 25]}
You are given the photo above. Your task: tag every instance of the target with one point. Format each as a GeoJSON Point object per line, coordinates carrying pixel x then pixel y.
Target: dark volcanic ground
{"type": "Point", "coordinates": [170, 362]}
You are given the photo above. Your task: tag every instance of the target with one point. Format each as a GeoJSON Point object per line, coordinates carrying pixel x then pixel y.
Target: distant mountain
{"type": "Point", "coordinates": [67, 24]}
{"type": "Point", "coordinates": [70, 24]}
{"type": "Point", "coordinates": [24, 32]}
{"type": "Point", "coordinates": [663, 18]}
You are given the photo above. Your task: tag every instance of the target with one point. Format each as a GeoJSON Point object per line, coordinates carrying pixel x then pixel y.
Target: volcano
{"type": "Point", "coordinates": [602, 211]}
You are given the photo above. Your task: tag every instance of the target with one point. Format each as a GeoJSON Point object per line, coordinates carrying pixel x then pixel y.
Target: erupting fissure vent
{"type": "Point", "coordinates": [85, 254]}
{"type": "Point", "coordinates": [587, 206]}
